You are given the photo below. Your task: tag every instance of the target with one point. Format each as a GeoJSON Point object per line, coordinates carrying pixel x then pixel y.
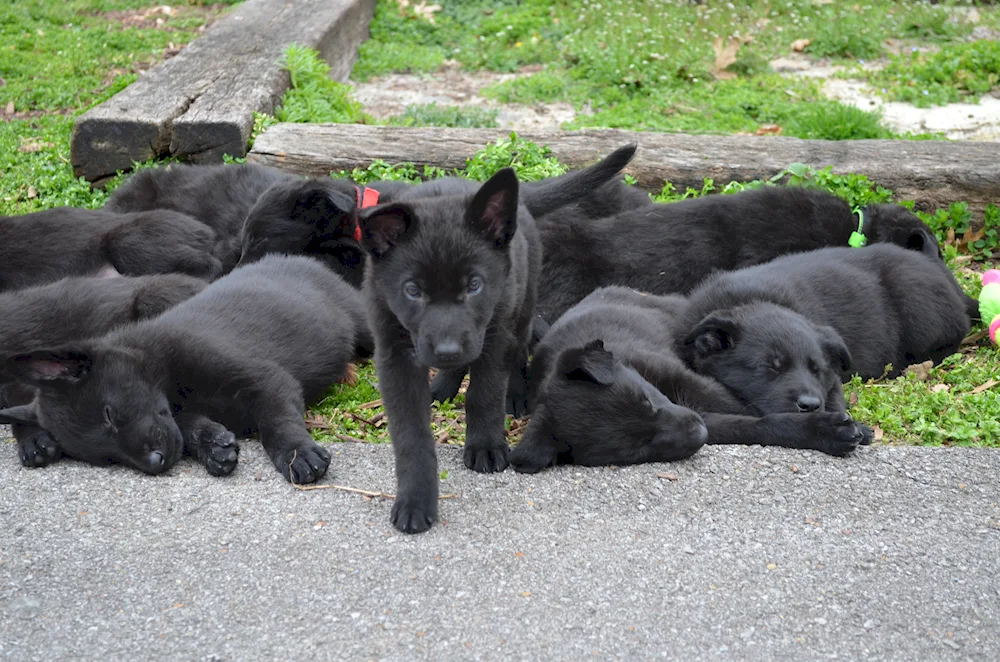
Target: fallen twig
{"type": "Point", "coordinates": [355, 490]}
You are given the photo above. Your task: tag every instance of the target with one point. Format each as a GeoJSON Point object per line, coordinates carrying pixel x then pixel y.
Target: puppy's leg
{"type": "Point", "coordinates": [407, 399]}
{"type": "Point", "coordinates": [834, 433]}
{"type": "Point", "coordinates": [517, 386]}
{"type": "Point", "coordinates": [137, 250]}
{"type": "Point", "coordinates": [446, 383]}
{"type": "Point", "coordinates": [537, 449]}
{"type": "Point", "coordinates": [836, 402]}
{"type": "Point", "coordinates": [35, 446]}
{"type": "Point", "coordinates": [277, 408]}
{"type": "Point", "coordinates": [209, 442]}
{"type": "Point", "coordinates": [486, 448]}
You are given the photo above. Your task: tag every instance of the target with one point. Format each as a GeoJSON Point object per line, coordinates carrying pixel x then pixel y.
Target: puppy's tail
{"type": "Point", "coordinates": [550, 194]}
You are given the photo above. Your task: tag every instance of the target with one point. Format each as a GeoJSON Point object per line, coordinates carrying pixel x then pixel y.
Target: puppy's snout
{"type": "Point", "coordinates": [156, 462]}
{"type": "Point", "coordinates": [807, 403]}
{"type": "Point", "coordinates": [448, 351]}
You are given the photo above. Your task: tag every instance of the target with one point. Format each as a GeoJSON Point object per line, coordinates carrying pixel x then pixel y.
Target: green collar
{"type": "Point", "coordinates": [858, 238]}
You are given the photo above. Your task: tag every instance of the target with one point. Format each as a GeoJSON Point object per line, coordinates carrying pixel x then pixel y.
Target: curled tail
{"type": "Point", "coordinates": [550, 194]}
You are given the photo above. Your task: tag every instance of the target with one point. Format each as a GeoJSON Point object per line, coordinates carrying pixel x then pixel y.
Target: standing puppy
{"type": "Point", "coordinates": [451, 283]}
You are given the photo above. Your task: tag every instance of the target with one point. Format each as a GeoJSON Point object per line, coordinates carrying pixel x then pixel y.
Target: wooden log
{"type": "Point", "coordinates": [933, 173]}
{"type": "Point", "coordinates": [199, 104]}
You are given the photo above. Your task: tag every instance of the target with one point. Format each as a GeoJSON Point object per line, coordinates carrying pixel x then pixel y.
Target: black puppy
{"type": "Point", "coordinates": [670, 248]}
{"type": "Point", "coordinates": [247, 352]}
{"type": "Point", "coordinates": [70, 310]}
{"type": "Point", "coordinates": [888, 304]}
{"type": "Point", "coordinates": [451, 283]}
{"type": "Point", "coordinates": [607, 388]}
{"type": "Point", "coordinates": [46, 246]}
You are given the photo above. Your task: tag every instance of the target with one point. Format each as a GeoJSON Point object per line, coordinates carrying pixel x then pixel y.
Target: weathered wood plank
{"type": "Point", "coordinates": [198, 105]}
{"type": "Point", "coordinates": [934, 173]}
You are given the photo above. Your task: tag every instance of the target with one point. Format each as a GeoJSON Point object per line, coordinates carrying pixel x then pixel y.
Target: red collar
{"type": "Point", "coordinates": [366, 197]}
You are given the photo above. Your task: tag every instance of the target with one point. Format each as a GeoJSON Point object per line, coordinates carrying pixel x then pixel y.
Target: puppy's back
{"type": "Point", "coordinates": [290, 310]}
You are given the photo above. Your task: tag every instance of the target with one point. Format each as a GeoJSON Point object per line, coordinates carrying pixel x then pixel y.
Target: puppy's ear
{"type": "Point", "coordinates": [590, 363]}
{"type": "Point", "coordinates": [58, 367]}
{"type": "Point", "coordinates": [923, 241]}
{"type": "Point", "coordinates": [716, 333]}
{"type": "Point", "coordinates": [320, 204]}
{"type": "Point", "coordinates": [835, 349]}
{"type": "Point", "coordinates": [493, 211]}
{"type": "Point", "coordinates": [26, 414]}
{"type": "Point", "coordinates": [385, 226]}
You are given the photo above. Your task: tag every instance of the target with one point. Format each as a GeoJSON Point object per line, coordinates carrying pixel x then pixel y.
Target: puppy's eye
{"type": "Point", "coordinates": [776, 365]}
{"type": "Point", "coordinates": [109, 420]}
{"type": "Point", "coordinates": [475, 285]}
{"type": "Point", "coordinates": [813, 367]}
{"type": "Point", "coordinates": [412, 290]}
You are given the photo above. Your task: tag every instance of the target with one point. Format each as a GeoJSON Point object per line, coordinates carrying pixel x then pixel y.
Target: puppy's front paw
{"type": "Point", "coordinates": [836, 433]}
{"type": "Point", "coordinates": [414, 513]}
{"type": "Point", "coordinates": [529, 458]}
{"type": "Point", "coordinates": [487, 458]}
{"type": "Point", "coordinates": [38, 449]}
{"type": "Point", "coordinates": [305, 463]}
{"type": "Point", "coordinates": [446, 384]}
{"type": "Point", "coordinates": [219, 451]}
{"type": "Point", "coordinates": [867, 434]}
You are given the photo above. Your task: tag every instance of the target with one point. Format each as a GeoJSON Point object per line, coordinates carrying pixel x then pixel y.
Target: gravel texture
{"type": "Point", "coordinates": [736, 554]}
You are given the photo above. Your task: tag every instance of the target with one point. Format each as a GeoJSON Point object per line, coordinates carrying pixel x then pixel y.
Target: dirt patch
{"type": "Point", "coordinates": [389, 96]}
{"type": "Point", "coordinates": [957, 121]}
{"type": "Point", "coordinates": [8, 114]}
{"type": "Point", "coordinates": [158, 18]}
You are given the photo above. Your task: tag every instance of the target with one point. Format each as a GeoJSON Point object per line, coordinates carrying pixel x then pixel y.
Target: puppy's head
{"type": "Point", "coordinates": [99, 405]}
{"type": "Point", "coordinates": [770, 357]}
{"type": "Point", "coordinates": [595, 410]}
{"type": "Point", "coordinates": [314, 217]}
{"type": "Point", "coordinates": [894, 224]}
{"type": "Point", "coordinates": [441, 263]}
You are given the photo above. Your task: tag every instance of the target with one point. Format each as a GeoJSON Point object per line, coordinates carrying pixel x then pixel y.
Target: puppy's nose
{"type": "Point", "coordinates": [448, 351]}
{"type": "Point", "coordinates": [155, 460]}
{"type": "Point", "coordinates": [808, 403]}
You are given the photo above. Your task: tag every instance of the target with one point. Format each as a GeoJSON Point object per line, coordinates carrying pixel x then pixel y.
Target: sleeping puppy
{"type": "Point", "coordinates": [670, 248]}
{"type": "Point", "coordinates": [608, 388]}
{"type": "Point", "coordinates": [890, 305]}
{"type": "Point", "coordinates": [247, 353]}
{"type": "Point", "coordinates": [70, 310]}
{"type": "Point", "coordinates": [46, 246]}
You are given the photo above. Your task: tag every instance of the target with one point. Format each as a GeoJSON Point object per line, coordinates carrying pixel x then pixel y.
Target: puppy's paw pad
{"type": "Point", "coordinates": [414, 515]}
{"type": "Point", "coordinates": [487, 460]}
{"type": "Point", "coordinates": [39, 450]}
{"type": "Point", "coordinates": [220, 453]}
{"type": "Point", "coordinates": [304, 464]}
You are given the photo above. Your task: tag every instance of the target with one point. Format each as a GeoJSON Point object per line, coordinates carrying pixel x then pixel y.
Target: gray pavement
{"type": "Point", "coordinates": [748, 554]}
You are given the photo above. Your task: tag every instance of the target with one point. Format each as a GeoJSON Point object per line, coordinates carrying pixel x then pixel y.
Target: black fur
{"type": "Point", "coordinates": [248, 352]}
{"type": "Point", "coordinates": [670, 248]}
{"type": "Point", "coordinates": [888, 305]}
{"type": "Point", "coordinates": [451, 283]}
{"type": "Point", "coordinates": [68, 310]}
{"type": "Point", "coordinates": [46, 246]}
{"type": "Point", "coordinates": [607, 388]}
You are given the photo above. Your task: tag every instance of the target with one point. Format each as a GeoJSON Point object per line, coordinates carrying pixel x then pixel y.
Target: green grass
{"type": "Point", "coordinates": [56, 60]}
{"type": "Point", "coordinates": [958, 72]}
{"type": "Point", "coordinates": [651, 65]}
{"type": "Point", "coordinates": [313, 95]}
{"type": "Point", "coordinates": [432, 114]}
